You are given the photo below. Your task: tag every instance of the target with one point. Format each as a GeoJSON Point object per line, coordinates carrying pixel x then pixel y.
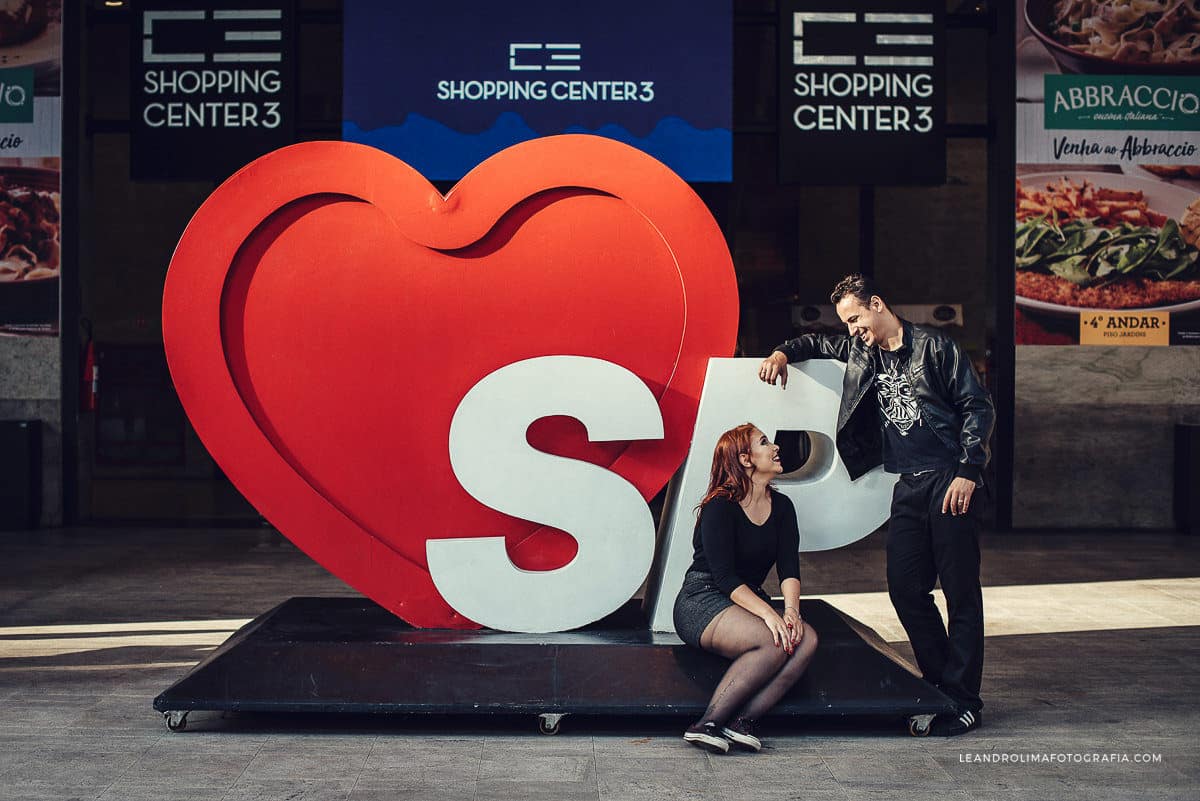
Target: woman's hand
{"type": "Point", "coordinates": [779, 631]}
{"type": "Point", "coordinates": [795, 626]}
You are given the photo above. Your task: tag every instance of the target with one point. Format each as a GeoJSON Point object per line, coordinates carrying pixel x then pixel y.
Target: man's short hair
{"type": "Point", "coordinates": [859, 286]}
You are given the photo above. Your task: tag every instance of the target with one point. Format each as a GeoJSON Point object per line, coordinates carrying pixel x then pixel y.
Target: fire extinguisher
{"type": "Point", "coordinates": [89, 386]}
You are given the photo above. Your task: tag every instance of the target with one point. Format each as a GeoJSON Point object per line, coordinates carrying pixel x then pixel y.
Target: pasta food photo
{"type": "Point", "coordinates": [29, 232]}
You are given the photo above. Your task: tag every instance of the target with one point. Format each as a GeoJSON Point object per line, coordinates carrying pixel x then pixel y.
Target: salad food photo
{"type": "Point", "coordinates": [1089, 247]}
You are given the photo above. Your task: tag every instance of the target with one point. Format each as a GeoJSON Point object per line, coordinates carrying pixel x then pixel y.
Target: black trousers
{"type": "Point", "coordinates": [923, 546]}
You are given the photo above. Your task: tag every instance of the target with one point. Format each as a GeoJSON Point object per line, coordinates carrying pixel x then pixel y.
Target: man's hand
{"type": "Point", "coordinates": [774, 366]}
{"type": "Point", "coordinates": [958, 496]}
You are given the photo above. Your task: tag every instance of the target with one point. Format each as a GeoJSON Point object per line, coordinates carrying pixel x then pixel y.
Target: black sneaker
{"type": "Point", "coordinates": [741, 732]}
{"type": "Point", "coordinates": [707, 735]}
{"type": "Point", "coordinates": [951, 725]}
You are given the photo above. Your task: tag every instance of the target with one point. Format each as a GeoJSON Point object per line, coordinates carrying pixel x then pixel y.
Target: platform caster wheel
{"type": "Point", "coordinates": [176, 721]}
{"type": "Point", "coordinates": [549, 722]}
{"type": "Point", "coordinates": [919, 725]}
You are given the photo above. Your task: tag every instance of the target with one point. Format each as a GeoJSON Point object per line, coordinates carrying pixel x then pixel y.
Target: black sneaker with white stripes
{"type": "Point", "coordinates": [741, 732]}
{"type": "Point", "coordinates": [951, 724]}
{"type": "Point", "coordinates": [707, 735]}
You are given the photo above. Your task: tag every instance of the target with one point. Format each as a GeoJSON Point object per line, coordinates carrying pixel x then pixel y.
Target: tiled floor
{"type": "Point", "coordinates": [1092, 657]}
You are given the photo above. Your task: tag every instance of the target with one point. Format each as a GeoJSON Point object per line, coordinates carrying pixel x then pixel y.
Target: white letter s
{"type": "Point", "coordinates": [495, 464]}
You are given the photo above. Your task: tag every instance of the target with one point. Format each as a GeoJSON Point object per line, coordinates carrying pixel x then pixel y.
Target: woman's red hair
{"type": "Point", "coordinates": [728, 477]}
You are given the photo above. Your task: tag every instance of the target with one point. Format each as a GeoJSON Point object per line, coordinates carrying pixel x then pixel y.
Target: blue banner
{"type": "Point", "coordinates": [445, 85]}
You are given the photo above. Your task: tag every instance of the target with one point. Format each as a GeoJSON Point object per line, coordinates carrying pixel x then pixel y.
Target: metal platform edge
{"type": "Point", "coordinates": [182, 696]}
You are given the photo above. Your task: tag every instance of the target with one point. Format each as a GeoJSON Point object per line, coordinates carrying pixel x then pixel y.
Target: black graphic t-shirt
{"type": "Point", "coordinates": [909, 445]}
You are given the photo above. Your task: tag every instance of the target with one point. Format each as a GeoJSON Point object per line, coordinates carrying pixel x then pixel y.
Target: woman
{"type": "Point", "coordinates": [745, 526]}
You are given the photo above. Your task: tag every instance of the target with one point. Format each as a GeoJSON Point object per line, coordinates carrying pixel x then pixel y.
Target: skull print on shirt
{"type": "Point", "coordinates": [897, 400]}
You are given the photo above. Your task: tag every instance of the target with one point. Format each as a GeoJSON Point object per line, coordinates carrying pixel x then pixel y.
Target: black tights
{"type": "Point", "coordinates": [761, 673]}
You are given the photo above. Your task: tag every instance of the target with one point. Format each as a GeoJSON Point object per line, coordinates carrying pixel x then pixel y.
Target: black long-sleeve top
{"type": "Point", "coordinates": [736, 552]}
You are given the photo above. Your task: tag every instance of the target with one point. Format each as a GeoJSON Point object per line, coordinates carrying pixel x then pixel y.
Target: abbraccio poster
{"type": "Point", "coordinates": [1108, 173]}
{"type": "Point", "coordinates": [30, 152]}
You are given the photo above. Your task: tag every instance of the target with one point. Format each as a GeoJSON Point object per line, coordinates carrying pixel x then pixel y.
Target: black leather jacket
{"type": "Point", "coordinates": [952, 400]}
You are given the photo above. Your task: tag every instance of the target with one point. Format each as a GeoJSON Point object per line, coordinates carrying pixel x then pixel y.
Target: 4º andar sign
{"type": "Point", "coordinates": [1124, 328]}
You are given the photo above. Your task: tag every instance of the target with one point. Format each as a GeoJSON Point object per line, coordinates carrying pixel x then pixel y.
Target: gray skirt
{"type": "Point", "coordinates": [698, 602]}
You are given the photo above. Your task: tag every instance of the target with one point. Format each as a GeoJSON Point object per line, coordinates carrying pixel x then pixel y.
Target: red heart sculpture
{"type": "Point", "coordinates": [327, 309]}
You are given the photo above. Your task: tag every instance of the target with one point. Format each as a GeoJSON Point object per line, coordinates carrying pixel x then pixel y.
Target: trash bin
{"type": "Point", "coordinates": [20, 474]}
{"type": "Point", "coordinates": [1187, 477]}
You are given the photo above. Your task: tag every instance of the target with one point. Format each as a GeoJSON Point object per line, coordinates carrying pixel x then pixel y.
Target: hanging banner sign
{"type": "Point", "coordinates": [1108, 176]}
{"type": "Point", "coordinates": [30, 166]}
{"type": "Point", "coordinates": [445, 85]}
{"type": "Point", "coordinates": [213, 86]}
{"type": "Point", "coordinates": [862, 92]}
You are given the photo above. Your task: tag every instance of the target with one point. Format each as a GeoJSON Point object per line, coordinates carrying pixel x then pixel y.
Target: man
{"type": "Point", "coordinates": [912, 401]}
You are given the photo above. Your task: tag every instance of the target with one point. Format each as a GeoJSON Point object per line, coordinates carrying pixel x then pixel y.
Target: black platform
{"type": "Point", "coordinates": [348, 655]}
